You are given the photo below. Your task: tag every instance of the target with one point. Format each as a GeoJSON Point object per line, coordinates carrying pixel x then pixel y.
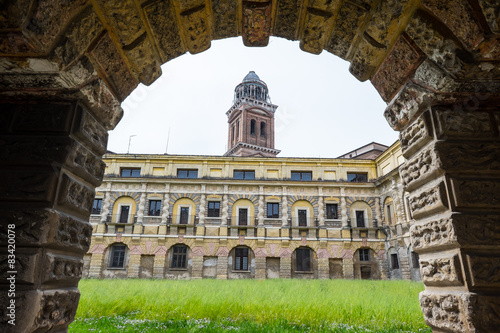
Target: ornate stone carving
{"type": "Point", "coordinates": [484, 270]}
{"type": "Point", "coordinates": [469, 157]}
{"type": "Point", "coordinates": [225, 209]}
{"type": "Point", "coordinates": [107, 60]}
{"type": "Point", "coordinates": [491, 8]}
{"type": "Point", "coordinates": [429, 201]}
{"type": "Point", "coordinates": [25, 266]}
{"type": "Point", "coordinates": [416, 135]}
{"type": "Point", "coordinates": [442, 311]}
{"type": "Point", "coordinates": [57, 309]}
{"type": "Point", "coordinates": [75, 195]}
{"type": "Point", "coordinates": [345, 29]}
{"type": "Point", "coordinates": [225, 15]}
{"type": "Point", "coordinates": [453, 124]}
{"type": "Point", "coordinates": [471, 193]}
{"type": "Point", "coordinates": [62, 268]}
{"type": "Point", "coordinates": [458, 17]}
{"type": "Point", "coordinates": [162, 21]}
{"type": "Point", "coordinates": [195, 26]}
{"type": "Point", "coordinates": [316, 27]}
{"type": "Point", "coordinates": [28, 185]}
{"type": "Point", "coordinates": [441, 271]}
{"type": "Point", "coordinates": [203, 203]}
{"type": "Point", "coordinates": [91, 133]}
{"type": "Point", "coordinates": [79, 36]}
{"type": "Point", "coordinates": [256, 23]}
{"type": "Point", "coordinates": [397, 67]}
{"type": "Point", "coordinates": [286, 19]}
{"type": "Point", "coordinates": [434, 234]}
{"type": "Point", "coordinates": [420, 168]}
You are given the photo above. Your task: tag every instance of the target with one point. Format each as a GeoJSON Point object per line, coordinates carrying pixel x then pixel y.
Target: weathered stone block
{"type": "Point", "coordinates": [476, 194]}
{"type": "Point", "coordinates": [286, 19]}
{"type": "Point", "coordinates": [429, 201]}
{"type": "Point", "coordinates": [28, 185]}
{"type": "Point", "coordinates": [317, 24]}
{"type": "Point", "coordinates": [420, 169]}
{"type": "Point", "coordinates": [483, 269]}
{"type": "Point", "coordinates": [75, 195]}
{"type": "Point", "coordinates": [256, 24]}
{"type": "Point", "coordinates": [196, 28]}
{"type": "Point", "coordinates": [91, 133]}
{"type": "Point", "coordinates": [470, 125]}
{"type": "Point", "coordinates": [441, 271]}
{"type": "Point", "coordinates": [225, 14]}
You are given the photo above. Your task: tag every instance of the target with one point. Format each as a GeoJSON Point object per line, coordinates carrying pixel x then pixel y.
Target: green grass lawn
{"type": "Point", "coordinates": [249, 306]}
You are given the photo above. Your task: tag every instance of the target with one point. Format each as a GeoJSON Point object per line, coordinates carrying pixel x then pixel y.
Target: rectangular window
{"type": "Point", "coordinates": [179, 256]}
{"type": "Point", "coordinates": [187, 173]}
{"type": "Point", "coordinates": [303, 260]}
{"type": "Point", "coordinates": [394, 261]}
{"type": "Point", "coordinates": [357, 177]}
{"type": "Point", "coordinates": [124, 212]}
{"type": "Point", "coordinates": [360, 219]}
{"type": "Point", "coordinates": [273, 210]}
{"type": "Point", "coordinates": [364, 254]}
{"type": "Point", "coordinates": [302, 217]}
{"type": "Point", "coordinates": [415, 260]}
{"type": "Point", "coordinates": [154, 207]}
{"type": "Point", "coordinates": [241, 259]}
{"type": "Point", "coordinates": [117, 256]}
{"type": "Point", "coordinates": [130, 172]}
{"type": "Point", "coordinates": [331, 211]}
{"type": "Point", "coordinates": [96, 207]}
{"type": "Point", "coordinates": [243, 216]}
{"type": "Point", "coordinates": [389, 214]}
{"type": "Point", "coordinates": [244, 174]}
{"type": "Point", "coordinates": [213, 209]}
{"type": "Point", "coordinates": [184, 215]}
{"type": "Point", "coordinates": [302, 175]}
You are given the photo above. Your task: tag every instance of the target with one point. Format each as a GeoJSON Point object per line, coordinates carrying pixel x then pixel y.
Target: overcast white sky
{"type": "Point", "coordinates": [323, 111]}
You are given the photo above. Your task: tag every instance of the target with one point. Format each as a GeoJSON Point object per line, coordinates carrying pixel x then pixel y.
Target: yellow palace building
{"type": "Point", "coordinates": [250, 214]}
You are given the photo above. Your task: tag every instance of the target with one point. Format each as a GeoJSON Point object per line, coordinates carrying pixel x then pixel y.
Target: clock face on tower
{"type": "Point", "coordinates": [251, 120]}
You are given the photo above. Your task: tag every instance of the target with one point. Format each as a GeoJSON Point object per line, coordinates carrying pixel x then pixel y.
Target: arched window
{"type": "Point", "coordinates": [263, 129]}
{"type": "Point", "coordinates": [252, 127]}
{"type": "Point", "coordinates": [241, 259]}
{"type": "Point", "coordinates": [117, 256]}
{"type": "Point", "coordinates": [179, 256]}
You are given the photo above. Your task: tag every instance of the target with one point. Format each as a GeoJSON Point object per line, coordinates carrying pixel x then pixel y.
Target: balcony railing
{"type": "Point", "coordinates": [183, 219]}
{"type": "Point", "coordinates": [119, 218]}
{"type": "Point", "coordinates": [304, 222]}
{"type": "Point", "coordinates": [242, 221]}
{"type": "Point", "coordinates": [151, 219]}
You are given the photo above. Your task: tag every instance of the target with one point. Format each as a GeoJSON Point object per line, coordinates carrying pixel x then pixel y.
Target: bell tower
{"type": "Point", "coordinates": [251, 120]}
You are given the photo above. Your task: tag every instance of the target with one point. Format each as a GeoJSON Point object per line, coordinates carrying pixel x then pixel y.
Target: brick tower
{"type": "Point", "coordinates": [251, 120]}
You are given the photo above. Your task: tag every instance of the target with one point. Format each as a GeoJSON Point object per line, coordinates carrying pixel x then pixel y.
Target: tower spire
{"type": "Point", "coordinates": [251, 120]}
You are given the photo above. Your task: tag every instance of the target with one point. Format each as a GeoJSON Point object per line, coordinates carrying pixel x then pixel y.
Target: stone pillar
{"type": "Point", "coordinates": [378, 212]}
{"type": "Point", "coordinates": [323, 268]}
{"type": "Point", "coordinates": [225, 207]}
{"type": "Point", "coordinates": [261, 208]}
{"type": "Point", "coordinates": [197, 269]}
{"type": "Point", "coordinates": [96, 262]}
{"type": "Point", "coordinates": [343, 207]}
{"type": "Point", "coordinates": [51, 163]}
{"type": "Point", "coordinates": [284, 208]}
{"type": "Point", "coordinates": [159, 266]}
{"type": "Point", "coordinates": [142, 204]}
{"type": "Point", "coordinates": [222, 262]}
{"type": "Point", "coordinates": [348, 268]}
{"type": "Point", "coordinates": [105, 211]}
{"type": "Point", "coordinates": [203, 205]}
{"type": "Point", "coordinates": [134, 262]}
{"type": "Point", "coordinates": [285, 267]}
{"type": "Point", "coordinates": [452, 175]}
{"type": "Point", "coordinates": [165, 211]}
{"type": "Point", "coordinates": [321, 208]}
{"type": "Point", "coordinates": [260, 268]}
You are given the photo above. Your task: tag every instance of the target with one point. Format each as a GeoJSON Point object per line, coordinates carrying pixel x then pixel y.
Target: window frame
{"type": "Point", "coordinates": [96, 210]}
{"type": "Point", "coordinates": [356, 177]}
{"type": "Point", "coordinates": [188, 172]}
{"type": "Point", "coordinates": [394, 261]}
{"type": "Point", "coordinates": [336, 217]}
{"type": "Point", "coordinates": [365, 216]}
{"type": "Point", "coordinates": [238, 215]}
{"type": "Point", "coordinates": [119, 215]}
{"type": "Point", "coordinates": [415, 260]}
{"type": "Point", "coordinates": [179, 214]}
{"type": "Point", "coordinates": [303, 260]}
{"type": "Point", "coordinates": [157, 211]}
{"type": "Point", "coordinates": [213, 212]}
{"type": "Point", "coordinates": [239, 260]}
{"type": "Point", "coordinates": [273, 215]}
{"type": "Point", "coordinates": [131, 172]}
{"type": "Point", "coordinates": [364, 255]}
{"type": "Point", "coordinates": [180, 257]}
{"type": "Point", "coordinates": [301, 175]}
{"type": "Point", "coordinates": [253, 130]}
{"type": "Point", "coordinates": [120, 260]}
{"type": "Point", "coordinates": [244, 174]}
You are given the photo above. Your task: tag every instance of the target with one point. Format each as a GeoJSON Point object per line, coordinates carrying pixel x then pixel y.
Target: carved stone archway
{"type": "Point", "coordinates": [66, 66]}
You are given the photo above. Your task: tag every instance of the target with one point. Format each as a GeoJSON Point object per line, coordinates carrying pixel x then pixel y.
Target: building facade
{"type": "Point", "coordinates": [249, 214]}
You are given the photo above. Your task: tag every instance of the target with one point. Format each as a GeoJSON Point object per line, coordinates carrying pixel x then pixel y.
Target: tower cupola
{"type": "Point", "coordinates": [251, 120]}
{"type": "Point", "coordinates": [252, 87]}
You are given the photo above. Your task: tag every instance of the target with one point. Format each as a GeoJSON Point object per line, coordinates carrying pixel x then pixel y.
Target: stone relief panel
{"type": "Point", "coordinates": [433, 235]}
{"type": "Point", "coordinates": [441, 271]}
{"type": "Point", "coordinates": [442, 311]}
{"type": "Point", "coordinates": [420, 169]}
{"type": "Point", "coordinates": [475, 194]}
{"type": "Point", "coordinates": [484, 270]}
{"type": "Point", "coordinates": [429, 201]}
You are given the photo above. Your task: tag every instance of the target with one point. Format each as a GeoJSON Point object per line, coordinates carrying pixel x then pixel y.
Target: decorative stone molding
{"type": "Point", "coordinates": [441, 272]}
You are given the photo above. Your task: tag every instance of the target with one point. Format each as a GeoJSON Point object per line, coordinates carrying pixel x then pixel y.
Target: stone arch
{"type": "Point", "coordinates": [119, 211]}
{"type": "Point", "coordinates": [178, 262]}
{"type": "Point", "coordinates": [389, 214]}
{"type": "Point", "coordinates": [304, 263]}
{"type": "Point", "coordinates": [361, 208]}
{"type": "Point", "coordinates": [366, 264]}
{"type": "Point", "coordinates": [241, 262]}
{"type": "Point", "coordinates": [243, 205]}
{"type": "Point", "coordinates": [435, 63]}
{"type": "Point", "coordinates": [184, 210]}
{"type": "Point", "coordinates": [109, 269]}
